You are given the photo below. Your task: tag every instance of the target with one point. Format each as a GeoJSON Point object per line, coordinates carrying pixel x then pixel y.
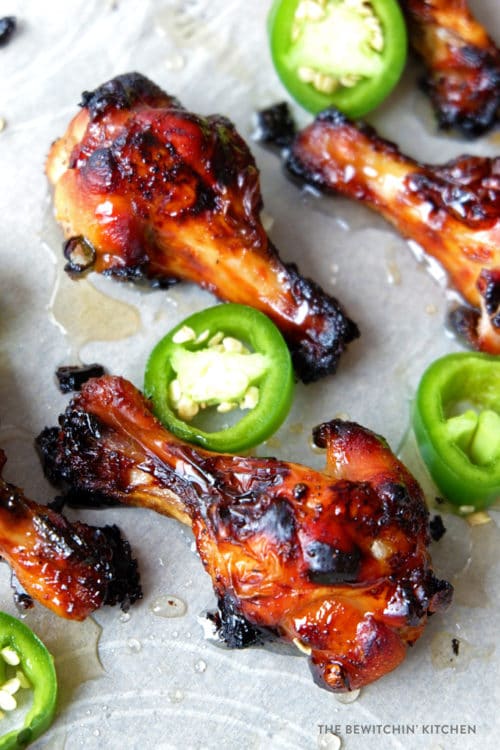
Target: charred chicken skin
{"type": "Point", "coordinates": [452, 211]}
{"type": "Point", "coordinates": [144, 188]}
{"type": "Point", "coordinates": [462, 62]}
{"type": "Point", "coordinates": [335, 562]}
{"type": "Point", "coordinates": [70, 568]}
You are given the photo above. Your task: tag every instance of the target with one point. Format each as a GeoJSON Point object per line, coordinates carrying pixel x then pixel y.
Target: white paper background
{"type": "Point", "coordinates": [153, 692]}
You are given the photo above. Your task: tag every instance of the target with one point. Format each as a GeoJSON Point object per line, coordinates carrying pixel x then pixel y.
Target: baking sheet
{"type": "Point", "coordinates": [144, 680]}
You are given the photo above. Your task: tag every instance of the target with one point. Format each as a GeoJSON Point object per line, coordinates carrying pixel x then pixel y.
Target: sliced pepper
{"type": "Point", "coordinates": [225, 357]}
{"type": "Point", "coordinates": [345, 53]}
{"type": "Point", "coordinates": [21, 650]}
{"type": "Point", "coordinates": [456, 419]}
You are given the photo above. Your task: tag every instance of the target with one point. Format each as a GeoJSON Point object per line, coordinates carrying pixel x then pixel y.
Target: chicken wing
{"type": "Point", "coordinates": [334, 562]}
{"type": "Point", "coordinates": [462, 62]}
{"type": "Point", "coordinates": [70, 568]}
{"type": "Point", "coordinates": [144, 188]}
{"type": "Point", "coordinates": [452, 211]}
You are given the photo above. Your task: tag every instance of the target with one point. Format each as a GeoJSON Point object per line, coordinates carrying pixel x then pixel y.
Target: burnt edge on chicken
{"type": "Point", "coordinates": [485, 95]}
{"type": "Point", "coordinates": [286, 546]}
{"type": "Point", "coordinates": [122, 92]}
{"type": "Point", "coordinates": [70, 378]}
{"type": "Point", "coordinates": [233, 628]}
{"type": "Point", "coordinates": [462, 63]}
{"type": "Point", "coordinates": [83, 566]}
{"type": "Point", "coordinates": [188, 207]}
{"type": "Point", "coordinates": [275, 125]}
{"type": "Point", "coordinates": [450, 210]}
{"type": "Point", "coordinates": [8, 25]}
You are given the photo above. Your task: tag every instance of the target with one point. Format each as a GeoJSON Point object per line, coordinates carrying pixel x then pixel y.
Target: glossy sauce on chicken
{"type": "Point", "coordinates": [452, 210]}
{"type": "Point", "coordinates": [335, 561]}
{"type": "Point", "coordinates": [462, 64]}
{"type": "Point", "coordinates": [146, 189]}
{"type": "Point", "coordinates": [70, 567]}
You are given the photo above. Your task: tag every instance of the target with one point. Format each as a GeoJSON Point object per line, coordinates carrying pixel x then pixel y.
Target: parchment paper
{"type": "Point", "coordinates": [160, 683]}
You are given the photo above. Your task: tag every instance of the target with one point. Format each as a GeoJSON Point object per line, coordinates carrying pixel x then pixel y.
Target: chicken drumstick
{"type": "Point", "coordinates": [462, 62]}
{"type": "Point", "coordinates": [335, 562]}
{"type": "Point", "coordinates": [452, 211]}
{"type": "Point", "coordinates": [70, 568]}
{"type": "Point", "coordinates": [144, 188]}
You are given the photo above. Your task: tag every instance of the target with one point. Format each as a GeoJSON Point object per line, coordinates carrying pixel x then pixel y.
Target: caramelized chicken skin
{"type": "Point", "coordinates": [335, 562]}
{"type": "Point", "coordinates": [452, 211]}
{"type": "Point", "coordinates": [144, 188]}
{"type": "Point", "coordinates": [70, 568]}
{"type": "Point", "coordinates": [462, 62]}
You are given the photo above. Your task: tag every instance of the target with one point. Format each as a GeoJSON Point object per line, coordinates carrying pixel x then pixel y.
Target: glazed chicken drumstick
{"type": "Point", "coordinates": [462, 62]}
{"type": "Point", "coordinates": [452, 211]}
{"type": "Point", "coordinates": [70, 568]}
{"type": "Point", "coordinates": [144, 188]}
{"type": "Point", "coordinates": [335, 562]}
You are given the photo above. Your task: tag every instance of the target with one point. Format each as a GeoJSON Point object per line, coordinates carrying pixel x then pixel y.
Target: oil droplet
{"type": "Point", "coordinates": [134, 646]}
{"type": "Point", "coordinates": [176, 696]}
{"type": "Point", "coordinates": [450, 652]}
{"type": "Point", "coordinates": [329, 742]}
{"type": "Point", "coordinates": [168, 606]}
{"type": "Point", "coordinates": [200, 666]}
{"type": "Point", "coordinates": [96, 733]}
{"type": "Point", "coordinates": [349, 697]}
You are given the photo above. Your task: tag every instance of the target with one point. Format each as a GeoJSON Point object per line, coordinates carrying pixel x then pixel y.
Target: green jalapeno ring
{"type": "Point", "coordinates": [378, 70]}
{"type": "Point", "coordinates": [38, 666]}
{"type": "Point", "coordinates": [461, 451]}
{"type": "Point", "coordinates": [275, 383]}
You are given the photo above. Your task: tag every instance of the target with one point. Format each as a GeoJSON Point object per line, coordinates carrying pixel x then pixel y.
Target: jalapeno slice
{"type": "Point", "coordinates": [456, 419]}
{"type": "Point", "coordinates": [22, 653]}
{"type": "Point", "coordinates": [225, 357]}
{"type": "Point", "coordinates": [343, 53]}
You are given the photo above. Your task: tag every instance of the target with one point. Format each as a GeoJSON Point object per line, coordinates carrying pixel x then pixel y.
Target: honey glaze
{"type": "Point", "coordinates": [77, 307]}
{"type": "Point", "coordinates": [85, 314]}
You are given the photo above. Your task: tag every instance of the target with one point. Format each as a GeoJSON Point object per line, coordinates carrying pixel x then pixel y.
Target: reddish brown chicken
{"type": "Point", "coordinates": [71, 568]}
{"type": "Point", "coordinates": [462, 62]}
{"type": "Point", "coordinates": [335, 562]}
{"type": "Point", "coordinates": [452, 211]}
{"type": "Point", "coordinates": [144, 188]}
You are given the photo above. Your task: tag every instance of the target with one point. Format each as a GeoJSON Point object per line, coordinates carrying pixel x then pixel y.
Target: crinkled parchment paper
{"type": "Point", "coordinates": [159, 683]}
